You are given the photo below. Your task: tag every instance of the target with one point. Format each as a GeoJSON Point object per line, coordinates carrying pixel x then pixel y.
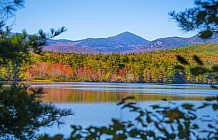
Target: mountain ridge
{"type": "Point", "coordinates": [125, 42]}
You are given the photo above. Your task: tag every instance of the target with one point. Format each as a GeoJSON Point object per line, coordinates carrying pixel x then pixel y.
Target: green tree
{"type": "Point", "coordinates": [16, 48]}
{"type": "Point", "coordinates": [203, 18]}
{"type": "Point", "coordinates": [21, 111]}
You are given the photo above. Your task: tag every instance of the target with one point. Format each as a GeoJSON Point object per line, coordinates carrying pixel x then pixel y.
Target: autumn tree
{"type": "Point", "coordinates": [202, 18]}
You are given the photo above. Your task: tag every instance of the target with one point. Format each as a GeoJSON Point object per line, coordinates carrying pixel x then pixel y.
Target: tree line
{"type": "Point", "coordinates": [151, 67]}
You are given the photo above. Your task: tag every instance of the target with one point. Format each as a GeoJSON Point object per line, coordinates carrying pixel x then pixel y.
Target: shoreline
{"type": "Point", "coordinates": [51, 81]}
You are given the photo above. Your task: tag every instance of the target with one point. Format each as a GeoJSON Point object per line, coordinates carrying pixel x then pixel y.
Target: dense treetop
{"type": "Point", "coordinates": [156, 66]}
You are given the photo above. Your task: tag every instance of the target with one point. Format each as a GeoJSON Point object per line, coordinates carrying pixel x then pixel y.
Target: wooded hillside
{"type": "Point", "coordinates": [151, 67]}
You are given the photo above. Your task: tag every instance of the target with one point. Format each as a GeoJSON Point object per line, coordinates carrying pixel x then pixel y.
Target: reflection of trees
{"type": "Point", "coordinates": [59, 95]}
{"type": "Point", "coordinates": [156, 122]}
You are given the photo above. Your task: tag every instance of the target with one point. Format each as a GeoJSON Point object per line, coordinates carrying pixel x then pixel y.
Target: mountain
{"type": "Point", "coordinates": [120, 43]}
{"type": "Point", "coordinates": [174, 42]}
{"type": "Point", "coordinates": [123, 43]}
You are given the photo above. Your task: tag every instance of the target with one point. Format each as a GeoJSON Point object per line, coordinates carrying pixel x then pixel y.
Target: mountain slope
{"type": "Point", "coordinates": [123, 43]}
{"type": "Point", "coordinates": [120, 43]}
{"type": "Point", "coordinates": [174, 42]}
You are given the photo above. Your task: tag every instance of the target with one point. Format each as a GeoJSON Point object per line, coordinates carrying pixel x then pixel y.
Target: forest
{"type": "Point", "coordinates": [149, 67]}
{"type": "Point", "coordinates": [22, 113]}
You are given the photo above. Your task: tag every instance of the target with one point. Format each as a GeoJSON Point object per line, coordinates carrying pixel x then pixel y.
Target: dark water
{"type": "Point", "coordinates": [95, 103]}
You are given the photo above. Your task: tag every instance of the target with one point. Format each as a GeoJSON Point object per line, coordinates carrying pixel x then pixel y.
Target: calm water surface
{"type": "Point", "coordinates": [95, 103]}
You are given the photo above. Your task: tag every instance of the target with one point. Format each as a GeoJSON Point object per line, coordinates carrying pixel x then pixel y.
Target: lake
{"type": "Point", "coordinates": [94, 103]}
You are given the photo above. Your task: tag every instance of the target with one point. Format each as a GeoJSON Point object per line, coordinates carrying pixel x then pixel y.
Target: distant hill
{"type": "Point", "coordinates": [123, 43]}
{"type": "Point", "coordinates": [151, 67]}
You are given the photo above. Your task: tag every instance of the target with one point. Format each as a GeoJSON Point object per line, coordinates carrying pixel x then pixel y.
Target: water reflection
{"type": "Point", "coordinates": [95, 103]}
{"type": "Point", "coordinates": [113, 92]}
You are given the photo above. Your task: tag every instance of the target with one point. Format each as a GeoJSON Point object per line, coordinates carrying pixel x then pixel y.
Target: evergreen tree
{"type": "Point", "coordinates": [21, 111]}
{"type": "Point", "coordinates": [203, 18]}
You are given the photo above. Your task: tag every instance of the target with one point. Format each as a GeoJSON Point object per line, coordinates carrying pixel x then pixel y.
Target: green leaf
{"type": "Point", "coordinates": [139, 119]}
{"type": "Point", "coordinates": [206, 34]}
{"type": "Point", "coordinates": [164, 99]}
{"type": "Point", "coordinates": [201, 15]}
{"type": "Point", "coordinates": [128, 98]}
{"type": "Point", "coordinates": [155, 106]}
{"type": "Point", "coordinates": [198, 70]}
{"type": "Point", "coordinates": [197, 59]}
{"type": "Point", "coordinates": [120, 103]}
{"type": "Point", "coordinates": [182, 60]}
{"type": "Point", "coordinates": [188, 106]}
{"type": "Point", "coordinates": [150, 133]}
{"type": "Point", "coordinates": [161, 129]}
{"type": "Point", "coordinates": [105, 130]}
{"type": "Point", "coordinates": [203, 106]}
{"type": "Point", "coordinates": [195, 126]}
{"type": "Point", "coordinates": [212, 18]}
{"type": "Point", "coordinates": [129, 105]}
{"type": "Point", "coordinates": [148, 119]}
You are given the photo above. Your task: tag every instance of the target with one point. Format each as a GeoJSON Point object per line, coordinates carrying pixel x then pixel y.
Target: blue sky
{"type": "Point", "coordinates": [102, 18]}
